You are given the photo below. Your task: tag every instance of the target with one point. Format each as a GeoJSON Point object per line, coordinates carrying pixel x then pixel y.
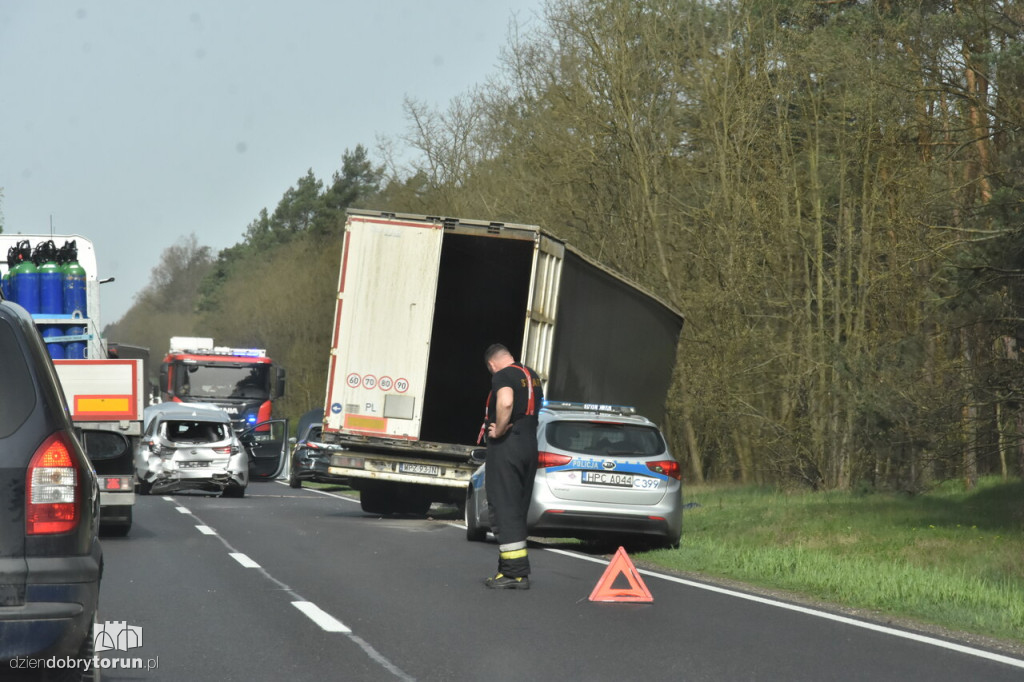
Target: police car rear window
{"type": "Point", "coordinates": [17, 390]}
{"type": "Point", "coordinates": [605, 438]}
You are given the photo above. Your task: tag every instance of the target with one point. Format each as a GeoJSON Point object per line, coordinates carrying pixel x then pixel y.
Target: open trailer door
{"type": "Point", "coordinates": [387, 283]}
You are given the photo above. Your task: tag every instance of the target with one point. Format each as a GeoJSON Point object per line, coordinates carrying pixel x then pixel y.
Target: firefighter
{"type": "Point", "coordinates": [515, 398]}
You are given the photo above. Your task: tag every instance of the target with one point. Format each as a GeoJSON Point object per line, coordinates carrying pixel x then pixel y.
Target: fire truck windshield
{"type": "Point", "coordinates": [220, 381]}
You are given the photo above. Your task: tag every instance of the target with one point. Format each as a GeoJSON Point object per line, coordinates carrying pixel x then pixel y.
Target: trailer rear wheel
{"type": "Point", "coordinates": [415, 503]}
{"type": "Point", "coordinates": [117, 529]}
{"type": "Point", "coordinates": [374, 500]}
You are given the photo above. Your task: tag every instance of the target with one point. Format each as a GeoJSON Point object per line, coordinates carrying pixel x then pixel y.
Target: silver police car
{"type": "Point", "coordinates": [603, 472]}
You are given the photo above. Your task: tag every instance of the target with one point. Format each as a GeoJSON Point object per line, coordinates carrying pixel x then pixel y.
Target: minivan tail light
{"type": "Point", "coordinates": [52, 491]}
{"type": "Point", "coordinates": [668, 467]}
{"type": "Point", "coordinates": [551, 459]}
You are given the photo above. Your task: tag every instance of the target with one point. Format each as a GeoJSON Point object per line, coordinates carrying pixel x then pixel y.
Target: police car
{"type": "Point", "coordinates": [603, 472]}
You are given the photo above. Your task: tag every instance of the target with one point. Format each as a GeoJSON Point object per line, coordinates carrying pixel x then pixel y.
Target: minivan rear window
{"type": "Point", "coordinates": [17, 390]}
{"type": "Point", "coordinates": [605, 438]}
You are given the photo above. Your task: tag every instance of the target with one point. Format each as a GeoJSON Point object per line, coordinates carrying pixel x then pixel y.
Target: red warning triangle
{"type": "Point", "coordinates": [621, 564]}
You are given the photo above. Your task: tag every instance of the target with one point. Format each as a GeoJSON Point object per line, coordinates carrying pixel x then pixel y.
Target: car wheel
{"type": "Point", "coordinates": [294, 482]}
{"type": "Point", "coordinates": [145, 487]}
{"type": "Point", "coordinates": [474, 533]}
{"type": "Point", "coordinates": [78, 673]}
{"type": "Point", "coordinates": [233, 491]}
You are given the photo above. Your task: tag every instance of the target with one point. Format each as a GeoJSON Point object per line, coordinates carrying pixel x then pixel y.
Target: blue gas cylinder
{"type": "Point", "coordinates": [75, 299]}
{"type": "Point", "coordinates": [51, 279]}
{"type": "Point", "coordinates": [51, 294]}
{"type": "Point", "coordinates": [74, 284]}
{"type": "Point", "coordinates": [25, 279]}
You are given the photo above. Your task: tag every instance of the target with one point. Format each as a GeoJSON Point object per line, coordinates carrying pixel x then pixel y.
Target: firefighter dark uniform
{"type": "Point", "coordinates": [511, 467]}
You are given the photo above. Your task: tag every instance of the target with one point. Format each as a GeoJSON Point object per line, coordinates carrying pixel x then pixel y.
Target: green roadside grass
{"type": "Point", "coordinates": [951, 557]}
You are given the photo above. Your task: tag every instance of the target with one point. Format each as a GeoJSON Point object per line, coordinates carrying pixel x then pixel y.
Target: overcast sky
{"type": "Point", "coordinates": [137, 122]}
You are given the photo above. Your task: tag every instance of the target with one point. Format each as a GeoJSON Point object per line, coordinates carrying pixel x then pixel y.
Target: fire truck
{"type": "Point", "coordinates": [243, 382]}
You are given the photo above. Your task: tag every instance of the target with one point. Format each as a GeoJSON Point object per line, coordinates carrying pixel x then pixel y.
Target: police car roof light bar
{"type": "Point", "coordinates": [588, 407]}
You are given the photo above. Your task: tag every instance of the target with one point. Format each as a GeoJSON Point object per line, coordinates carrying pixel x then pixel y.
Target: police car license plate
{"type": "Point", "coordinates": [608, 478]}
{"type": "Point", "coordinates": [422, 469]}
{"type": "Point", "coordinates": [193, 465]}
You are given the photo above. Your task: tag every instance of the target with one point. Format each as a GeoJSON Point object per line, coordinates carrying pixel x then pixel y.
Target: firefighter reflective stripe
{"type": "Point", "coordinates": [514, 554]}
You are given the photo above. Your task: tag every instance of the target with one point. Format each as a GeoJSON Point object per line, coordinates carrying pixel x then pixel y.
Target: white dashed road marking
{"type": "Point", "coordinates": [320, 617]}
{"type": "Point", "coordinates": [244, 560]}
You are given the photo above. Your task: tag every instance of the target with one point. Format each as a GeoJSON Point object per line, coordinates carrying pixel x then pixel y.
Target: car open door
{"type": "Point", "coordinates": [267, 443]}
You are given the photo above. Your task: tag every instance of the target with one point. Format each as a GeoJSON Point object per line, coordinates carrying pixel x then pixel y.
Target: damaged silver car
{"type": "Point", "coordinates": [191, 447]}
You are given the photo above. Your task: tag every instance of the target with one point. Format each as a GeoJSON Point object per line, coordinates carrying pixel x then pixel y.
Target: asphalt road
{"type": "Point", "coordinates": [300, 585]}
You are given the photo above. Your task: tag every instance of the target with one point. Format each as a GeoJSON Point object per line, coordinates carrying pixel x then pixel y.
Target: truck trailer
{"type": "Point", "coordinates": [419, 300]}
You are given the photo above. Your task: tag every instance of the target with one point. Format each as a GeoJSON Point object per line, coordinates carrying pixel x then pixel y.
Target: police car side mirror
{"type": "Point", "coordinates": [478, 455]}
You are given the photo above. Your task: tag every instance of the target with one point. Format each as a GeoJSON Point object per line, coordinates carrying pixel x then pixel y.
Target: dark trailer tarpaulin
{"type": "Point", "coordinates": [612, 342]}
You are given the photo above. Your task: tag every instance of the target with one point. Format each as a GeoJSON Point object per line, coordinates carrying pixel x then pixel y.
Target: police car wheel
{"type": "Point", "coordinates": [474, 533]}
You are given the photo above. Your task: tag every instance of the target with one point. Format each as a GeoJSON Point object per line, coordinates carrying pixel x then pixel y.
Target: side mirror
{"type": "Point", "coordinates": [478, 455]}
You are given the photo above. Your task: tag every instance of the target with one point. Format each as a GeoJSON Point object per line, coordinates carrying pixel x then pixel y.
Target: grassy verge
{"type": "Point", "coordinates": [951, 557]}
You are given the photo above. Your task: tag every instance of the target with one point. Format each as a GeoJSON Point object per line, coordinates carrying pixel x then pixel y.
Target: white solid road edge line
{"type": "Point", "coordinates": [324, 492]}
{"type": "Point", "coordinates": [244, 560]}
{"type": "Point", "coordinates": [905, 634]}
{"type": "Point", "coordinates": [325, 620]}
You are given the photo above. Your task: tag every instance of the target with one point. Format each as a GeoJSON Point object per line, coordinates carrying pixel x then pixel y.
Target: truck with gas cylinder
{"type": "Point", "coordinates": [55, 278]}
{"type": "Point", "coordinates": [419, 300]}
{"type": "Point", "coordinates": [243, 382]}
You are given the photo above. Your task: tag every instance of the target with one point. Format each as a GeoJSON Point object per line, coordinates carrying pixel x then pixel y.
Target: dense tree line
{"type": "Point", "coordinates": [830, 191]}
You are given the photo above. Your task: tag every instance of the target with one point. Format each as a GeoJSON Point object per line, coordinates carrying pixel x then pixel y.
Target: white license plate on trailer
{"type": "Point", "coordinates": [421, 469]}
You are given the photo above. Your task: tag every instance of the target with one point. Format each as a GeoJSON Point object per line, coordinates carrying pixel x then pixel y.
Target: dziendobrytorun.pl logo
{"type": "Point", "coordinates": [110, 636]}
